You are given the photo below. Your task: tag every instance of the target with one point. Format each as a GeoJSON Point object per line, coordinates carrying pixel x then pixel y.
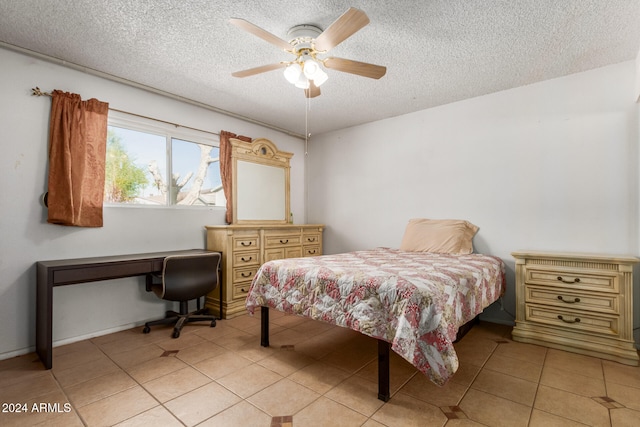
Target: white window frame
{"type": "Point", "coordinates": [169, 131]}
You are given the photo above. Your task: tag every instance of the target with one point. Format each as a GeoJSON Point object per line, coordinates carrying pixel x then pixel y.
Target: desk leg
{"type": "Point", "coordinates": [44, 317]}
{"type": "Point", "coordinates": [383, 370]}
{"type": "Point", "coordinates": [264, 326]}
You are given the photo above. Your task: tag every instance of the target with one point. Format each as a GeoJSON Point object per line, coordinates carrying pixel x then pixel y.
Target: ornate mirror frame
{"type": "Point", "coordinates": [261, 182]}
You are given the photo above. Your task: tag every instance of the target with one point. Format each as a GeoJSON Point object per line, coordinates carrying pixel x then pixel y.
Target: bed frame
{"type": "Point", "coordinates": [383, 350]}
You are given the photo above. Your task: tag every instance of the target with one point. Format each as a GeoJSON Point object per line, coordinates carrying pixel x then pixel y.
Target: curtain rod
{"type": "Point", "coordinates": [36, 91]}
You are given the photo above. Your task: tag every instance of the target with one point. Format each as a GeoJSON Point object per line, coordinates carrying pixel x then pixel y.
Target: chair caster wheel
{"type": "Point", "coordinates": [176, 333]}
{"type": "Point", "coordinates": [213, 323]}
{"type": "Point", "coordinates": [146, 330]}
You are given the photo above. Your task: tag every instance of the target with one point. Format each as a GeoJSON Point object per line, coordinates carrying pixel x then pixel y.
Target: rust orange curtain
{"type": "Point", "coordinates": [226, 174]}
{"type": "Point", "coordinates": [77, 151]}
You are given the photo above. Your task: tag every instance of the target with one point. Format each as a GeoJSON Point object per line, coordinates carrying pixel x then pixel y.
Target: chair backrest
{"type": "Point", "coordinates": [187, 277]}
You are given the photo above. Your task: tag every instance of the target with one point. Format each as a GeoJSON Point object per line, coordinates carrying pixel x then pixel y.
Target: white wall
{"type": "Point", "coordinates": [550, 166]}
{"type": "Point", "coordinates": [89, 309]}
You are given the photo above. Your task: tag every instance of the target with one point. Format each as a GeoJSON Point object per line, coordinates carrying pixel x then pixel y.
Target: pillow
{"type": "Point", "coordinates": [449, 236]}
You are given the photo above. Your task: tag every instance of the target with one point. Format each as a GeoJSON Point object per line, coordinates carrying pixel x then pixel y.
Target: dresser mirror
{"type": "Point", "coordinates": [260, 182]}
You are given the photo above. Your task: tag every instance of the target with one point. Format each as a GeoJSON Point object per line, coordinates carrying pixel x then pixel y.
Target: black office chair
{"type": "Point", "coordinates": [184, 278]}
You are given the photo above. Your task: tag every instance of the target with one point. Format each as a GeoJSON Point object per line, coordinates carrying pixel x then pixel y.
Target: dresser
{"type": "Point", "coordinates": [581, 303]}
{"type": "Point", "coordinates": [245, 247]}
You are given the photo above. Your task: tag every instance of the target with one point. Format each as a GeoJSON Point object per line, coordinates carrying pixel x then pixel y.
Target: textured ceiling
{"type": "Point", "coordinates": [435, 51]}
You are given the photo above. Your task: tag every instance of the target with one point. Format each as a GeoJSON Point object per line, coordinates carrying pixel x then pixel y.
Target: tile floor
{"type": "Point", "coordinates": [312, 375]}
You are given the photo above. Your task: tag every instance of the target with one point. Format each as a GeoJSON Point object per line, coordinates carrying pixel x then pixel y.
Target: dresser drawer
{"type": "Point", "coordinates": [282, 253]}
{"type": "Point", "coordinates": [240, 290]}
{"type": "Point", "coordinates": [573, 320]}
{"type": "Point", "coordinates": [572, 279]}
{"type": "Point", "coordinates": [246, 242]}
{"type": "Point", "coordinates": [570, 298]}
{"type": "Point", "coordinates": [243, 259]}
{"type": "Point", "coordinates": [281, 240]}
{"type": "Point", "coordinates": [311, 238]}
{"type": "Point", "coordinates": [311, 251]}
{"type": "Point", "coordinates": [244, 274]}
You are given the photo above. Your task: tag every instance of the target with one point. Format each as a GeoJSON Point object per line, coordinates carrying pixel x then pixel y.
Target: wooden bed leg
{"type": "Point", "coordinates": [383, 370]}
{"type": "Point", "coordinates": [264, 326]}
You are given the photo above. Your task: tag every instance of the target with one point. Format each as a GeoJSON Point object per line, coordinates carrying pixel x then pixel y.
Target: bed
{"type": "Point", "coordinates": [411, 301]}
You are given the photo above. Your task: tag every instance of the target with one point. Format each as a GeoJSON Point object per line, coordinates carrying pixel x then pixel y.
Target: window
{"type": "Point", "coordinates": [155, 163]}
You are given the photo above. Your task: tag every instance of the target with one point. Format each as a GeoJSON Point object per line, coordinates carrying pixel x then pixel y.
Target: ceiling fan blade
{"type": "Point", "coordinates": [258, 70]}
{"type": "Point", "coordinates": [355, 67]}
{"type": "Point", "coordinates": [313, 90]}
{"type": "Point", "coordinates": [342, 28]}
{"type": "Point", "coordinates": [263, 34]}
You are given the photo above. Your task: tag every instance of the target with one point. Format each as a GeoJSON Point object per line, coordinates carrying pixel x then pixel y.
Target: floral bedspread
{"type": "Point", "coordinates": [414, 300]}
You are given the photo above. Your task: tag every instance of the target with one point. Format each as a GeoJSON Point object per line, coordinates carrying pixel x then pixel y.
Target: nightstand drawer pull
{"type": "Point", "coordinates": [246, 274]}
{"type": "Point", "coordinates": [250, 258]}
{"type": "Point", "coordinates": [284, 242]}
{"type": "Point", "coordinates": [575, 300]}
{"type": "Point", "coordinates": [246, 243]}
{"type": "Point", "coordinates": [575, 320]}
{"type": "Point", "coordinates": [576, 280]}
{"type": "Point", "coordinates": [311, 252]}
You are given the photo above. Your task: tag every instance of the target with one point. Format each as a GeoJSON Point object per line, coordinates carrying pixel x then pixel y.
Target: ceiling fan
{"type": "Point", "coordinates": [308, 42]}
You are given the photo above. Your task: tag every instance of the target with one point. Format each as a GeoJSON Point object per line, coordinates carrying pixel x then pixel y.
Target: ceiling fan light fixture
{"type": "Point", "coordinates": [310, 68]}
{"type": "Point", "coordinates": [320, 78]}
{"type": "Point", "coordinates": [302, 83]}
{"type": "Point", "coordinates": [292, 72]}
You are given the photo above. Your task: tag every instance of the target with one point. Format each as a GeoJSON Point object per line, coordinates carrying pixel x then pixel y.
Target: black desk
{"type": "Point", "coordinates": [82, 270]}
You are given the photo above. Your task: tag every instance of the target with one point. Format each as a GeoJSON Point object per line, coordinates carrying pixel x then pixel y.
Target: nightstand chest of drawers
{"type": "Point", "coordinates": [245, 248]}
{"type": "Point", "coordinates": [581, 303]}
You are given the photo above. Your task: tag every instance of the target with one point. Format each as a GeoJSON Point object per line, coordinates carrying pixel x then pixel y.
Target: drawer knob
{"type": "Point", "coordinates": [576, 280]}
{"type": "Point", "coordinates": [284, 242]}
{"type": "Point", "coordinates": [246, 274]}
{"type": "Point", "coordinates": [575, 319]}
{"type": "Point", "coordinates": [246, 243]}
{"type": "Point", "coordinates": [311, 252]}
{"type": "Point", "coordinates": [243, 290]}
{"type": "Point", "coordinates": [246, 259]}
{"type": "Point", "coordinates": [568, 301]}
{"type": "Point", "coordinates": [311, 239]}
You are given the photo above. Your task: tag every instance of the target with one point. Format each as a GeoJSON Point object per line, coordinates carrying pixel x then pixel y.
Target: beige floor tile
{"type": "Point", "coordinates": [318, 346]}
{"type": "Point", "coordinates": [155, 368]}
{"type": "Point", "coordinates": [21, 368]}
{"type": "Point", "coordinates": [249, 380]}
{"type": "Point", "coordinates": [271, 399]}
{"type": "Point", "coordinates": [545, 419]}
{"type": "Point", "coordinates": [623, 417]}
{"type": "Point", "coordinates": [85, 372]}
{"type": "Point", "coordinates": [98, 388]}
{"type": "Point", "coordinates": [286, 337]}
{"type": "Point", "coordinates": [573, 362]}
{"type": "Point", "coordinates": [621, 374]}
{"type": "Point", "coordinates": [522, 351]}
{"type": "Point", "coordinates": [474, 351]}
{"type": "Point", "coordinates": [81, 346]}
{"type": "Point", "coordinates": [288, 320]}
{"type": "Point", "coordinates": [312, 328]}
{"type": "Point", "coordinates": [495, 411]}
{"type": "Point", "coordinates": [572, 406]}
{"type": "Point", "coordinates": [199, 352]}
{"type": "Point", "coordinates": [176, 384]}
{"type": "Point", "coordinates": [319, 377]}
{"type": "Point", "coordinates": [286, 362]}
{"type": "Point", "coordinates": [573, 382]}
{"type": "Point", "coordinates": [66, 360]}
{"type": "Point", "coordinates": [358, 394]}
{"type": "Point", "coordinates": [422, 388]}
{"type": "Point", "coordinates": [202, 403]}
{"type": "Point", "coordinates": [135, 356]}
{"type": "Point", "coordinates": [255, 352]}
{"type": "Point", "coordinates": [222, 365]}
{"type": "Point", "coordinates": [466, 374]}
{"type": "Point", "coordinates": [372, 423]}
{"type": "Point", "coordinates": [351, 358]}
{"type": "Point", "coordinates": [492, 331]}
{"type": "Point", "coordinates": [33, 387]}
{"type": "Point", "coordinates": [117, 408]}
{"type": "Point", "coordinates": [185, 340]}
{"type": "Point", "coordinates": [465, 422]}
{"type": "Point", "coordinates": [241, 414]}
{"type": "Point", "coordinates": [315, 415]}
{"type": "Point", "coordinates": [406, 411]}
{"type": "Point", "coordinates": [627, 396]}
{"type": "Point", "coordinates": [158, 416]}
{"type": "Point", "coordinates": [505, 386]}
{"type": "Point", "coordinates": [236, 339]}
{"type": "Point", "coordinates": [244, 322]}
{"type": "Point", "coordinates": [514, 367]}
